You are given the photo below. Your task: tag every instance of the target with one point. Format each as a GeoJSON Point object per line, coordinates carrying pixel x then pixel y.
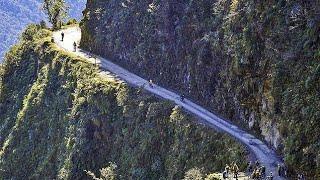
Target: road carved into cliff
{"type": "Point", "coordinates": [263, 153]}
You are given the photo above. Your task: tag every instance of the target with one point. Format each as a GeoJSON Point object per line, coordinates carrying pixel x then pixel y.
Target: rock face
{"type": "Point", "coordinates": [255, 62]}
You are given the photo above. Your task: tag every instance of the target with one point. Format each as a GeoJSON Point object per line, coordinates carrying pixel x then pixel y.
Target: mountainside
{"type": "Point", "coordinates": [15, 15]}
{"type": "Point", "coordinates": [59, 117]}
{"type": "Point", "coordinates": [255, 62]}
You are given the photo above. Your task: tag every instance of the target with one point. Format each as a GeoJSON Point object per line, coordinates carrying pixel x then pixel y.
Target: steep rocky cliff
{"type": "Point", "coordinates": [60, 117]}
{"type": "Point", "coordinates": [254, 62]}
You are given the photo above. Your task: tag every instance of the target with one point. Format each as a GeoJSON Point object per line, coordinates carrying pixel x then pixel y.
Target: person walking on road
{"type": "Point", "coordinates": [235, 170]}
{"type": "Point", "coordinates": [257, 164]}
{"type": "Point", "coordinates": [279, 169]}
{"type": "Point", "coordinates": [255, 174]}
{"type": "Point", "coordinates": [182, 97]}
{"type": "Point", "coordinates": [250, 167]}
{"type": "Point", "coordinates": [62, 36]}
{"type": "Point", "coordinates": [74, 46]}
{"type": "Point", "coordinates": [151, 83]}
{"type": "Point", "coordinates": [227, 169]}
{"type": "Point", "coordinates": [262, 171]}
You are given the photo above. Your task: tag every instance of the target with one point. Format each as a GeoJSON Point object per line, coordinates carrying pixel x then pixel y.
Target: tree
{"type": "Point", "coordinates": [56, 11]}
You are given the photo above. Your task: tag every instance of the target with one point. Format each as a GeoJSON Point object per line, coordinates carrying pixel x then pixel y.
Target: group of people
{"type": "Point", "coordinates": [301, 177]}
{"type": "Point", "coordinates": [74, 43]}
{"type": "Point", "coordinates": [232, 169]}
{"type": "Point", "coordinates": [257, 171]}
{"type": "Point", "coordinates": [282, 172]}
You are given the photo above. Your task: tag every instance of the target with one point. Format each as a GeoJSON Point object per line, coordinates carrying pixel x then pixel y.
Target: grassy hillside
{"type": "Point", "coordinates": [59, 117]}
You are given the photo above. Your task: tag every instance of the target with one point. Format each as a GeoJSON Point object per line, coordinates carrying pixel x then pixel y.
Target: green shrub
{"type": "Point", "coordinates": [107, 173]}
{"type": "Point", "coordinates": [193, 174]}
{"type": "Point", "coordinates": [71, 22]}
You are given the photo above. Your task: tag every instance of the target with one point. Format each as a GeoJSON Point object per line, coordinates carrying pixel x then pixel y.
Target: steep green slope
{"type": "Point", "coordinates": [59, 117]}
{"type": "Point", "coordinates": [255, 62]}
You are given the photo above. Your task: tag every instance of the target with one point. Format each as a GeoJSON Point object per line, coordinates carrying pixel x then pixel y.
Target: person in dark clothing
{"type": "Point", "coordinates": [224, 175]}
{"type": "Point", "coordinates": [279, 169]}
{"type": "Point", "coordinates": [227, 169]}
{"type": "Point", "coordinates": [74, 46]}
{"type": "Point", "coordinates": [263, 171]}
{"type": "Point", "coordinates": [151, 83]}
{"type": "Point", "coordinates": [62, 36]}
{"type": "Point", "coordinates": [182, 97]}
{"type": "Point", "coordinates": [271, 176]}
{"type": "Point", "coordinates": [250, 167]}
{"type": "Point", "coordinates": [235, 170]}
{"type": "Point", "coordinates": [257, 164]}
{"type": "Point", "coordinates": [255, 174]}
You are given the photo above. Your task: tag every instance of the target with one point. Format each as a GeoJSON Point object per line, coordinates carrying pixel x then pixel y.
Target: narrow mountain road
{"type": "Point", "coordinates": [263, 153]}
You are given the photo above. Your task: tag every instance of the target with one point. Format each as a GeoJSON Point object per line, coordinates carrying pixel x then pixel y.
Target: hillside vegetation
{"type": "Point", "coordinates": [254, 62]}
{"type": "Point", "coordinates": [59, 118]}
